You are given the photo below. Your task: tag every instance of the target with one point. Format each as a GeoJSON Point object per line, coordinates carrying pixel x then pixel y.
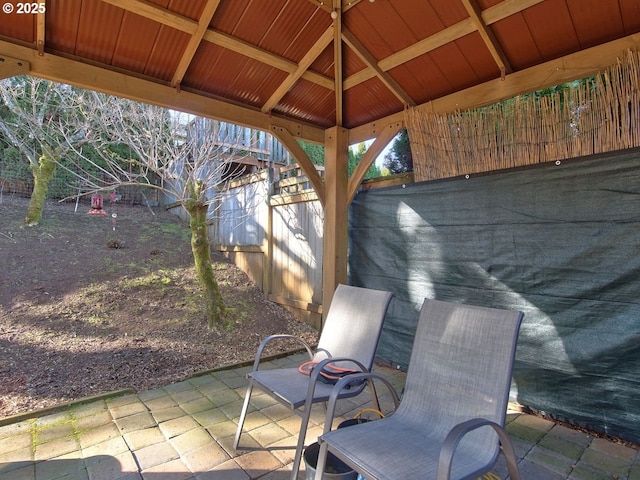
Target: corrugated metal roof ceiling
{"type": "Point", "coordinates": [278, 55]}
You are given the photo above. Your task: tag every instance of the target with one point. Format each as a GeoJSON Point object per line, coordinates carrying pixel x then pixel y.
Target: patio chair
{"type": "Point", "coordinates": [450, 421]}
{"type": "Point", "coordinates": [349, 340]}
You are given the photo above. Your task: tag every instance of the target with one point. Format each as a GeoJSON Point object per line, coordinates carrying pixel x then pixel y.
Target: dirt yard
{"type": "Point", "coordinates": [79, 317]}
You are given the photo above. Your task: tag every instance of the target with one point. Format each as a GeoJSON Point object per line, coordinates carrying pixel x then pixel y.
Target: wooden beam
{"type": "Point", "coordinates": [352, 3]}
{"type": "Point", "coordinates": [370, 61]}
{"type": "Point", "coordinates": [291, 198]}
{"type": "Point", "coordinates": [194, 42]}
{"type": "Point", "coordinates": [40, 27]}
{"type": "Point", "coordinates": [291, 144]}
{"type": "Point", "coordinates": [323, 5]}
{"type": "Point", "coordinates": [571, 67]}
{"type": "Point", "coordinates": [375, 149]}
{"type": "Point", "coordinates": [430, 43]}
{"type": "Point", "coordinates": [388, 181]}
{"type": "Point", "coordinates": [488, 37]}
{"type": "Point", "coordinates": [337, 60]}
{"type": "Point", "coordinates": [298, 304]}
{"type": "Point", "coordinates": [166, 17]}
{"type": "Point", "coordinates": [310, 57]}
{"type": "Point", "coordinates": [157, 14]}
{"type": "Point", "coordinates": [555, 72]}
{"type": "Point", "coordinates": [491, 15]}
{"type": "Point", "coordinates": [465, 27]}
{"type": "Point", "coordinates": [248, 50]}
{"type": "Point", "coordinates": [10, 67]}
{"type": "Point", "coordinates": [335, 233]}
{"type": "Point", "coordinates": [74, 72]}
{"type": "Point", "coordinates": [326, 5]}
{"type": "Point", "coordinates": [371, 130]}
{"type": "Point", "coordinates": [506, 9]}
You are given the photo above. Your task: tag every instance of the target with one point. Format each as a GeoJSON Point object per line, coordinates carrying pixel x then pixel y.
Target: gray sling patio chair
{"type": "Point", "coordinates": [349, 339]}
{"type": "Point", "coordinates": [450, 421]}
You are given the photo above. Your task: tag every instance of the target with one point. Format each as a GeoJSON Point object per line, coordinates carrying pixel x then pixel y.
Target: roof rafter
{"type": "Point", "coordinates": [460, 29]}
{"type": "Point", "coordinates": [487, 36]}
{"type": "Point", "coordinates": [325, 39]}
{"type": "Point", "coordinates": [268, 58]}
{"type": "Point", "coordinates": [184, 24]}
{"type": "Point", "coordinates": [194, 42]}
{"type": "Point", "coordinates": [156, 13]}
{"type": "Point", "coordinates": [369, 60]}
{"type": "Point", "coordinates": [449, 34]}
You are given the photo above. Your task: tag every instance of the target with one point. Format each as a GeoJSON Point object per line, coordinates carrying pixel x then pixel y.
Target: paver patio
{"type": "Point", "coordinates": [185, 431]}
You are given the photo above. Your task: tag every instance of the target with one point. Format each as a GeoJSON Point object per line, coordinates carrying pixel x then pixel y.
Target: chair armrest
{"type": "Point", "coordinates": [459, 431]}
{"type": "Point", "coordinates": [341, 384]}
{"type": "Point", "coordinates": [348, 379]}
{"type": "Point", "coordinates": [270, 338]}
{"type": "Point", "coordinates": [322, 363]}
{"type": "Point", "coordinates": [315, 372]}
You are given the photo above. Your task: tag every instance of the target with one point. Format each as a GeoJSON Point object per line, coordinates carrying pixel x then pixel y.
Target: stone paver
{"type": "Point", "coordinates": [178, 426]}
{"type": "Point", "coordinates": [98, 434]}
{"type": "Point", "coordinates": [138, 421]}
{"type": "Point", "coordinates": [143, 438]}
{"type": "Point", "coordinates": [56, 448]}
{"type": "Point", "coordinates": [174, 469]}
{"type": "Point", "coordinates": [210, 417]}
{"type": "Point", "coordinates": [191, 440]}
{"type": "Point", "coordinates": [186, 430]}
{"type": "Point", "coordinates": [205, 458]}
{"type": "Point", "coordinates": [156, 454]}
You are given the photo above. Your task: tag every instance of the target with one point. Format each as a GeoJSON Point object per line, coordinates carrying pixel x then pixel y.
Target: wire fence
{"type": "Point", "coordinates": [126, 195]}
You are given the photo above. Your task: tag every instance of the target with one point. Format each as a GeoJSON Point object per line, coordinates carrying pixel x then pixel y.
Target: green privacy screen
{"type": "Point", "coordinates": [559, 242]}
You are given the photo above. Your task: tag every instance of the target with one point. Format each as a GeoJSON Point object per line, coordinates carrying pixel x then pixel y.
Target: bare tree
{"type": "Point", "coordinates": [187, 158]}
{"type": "Point", "coordinates": [33, 118]}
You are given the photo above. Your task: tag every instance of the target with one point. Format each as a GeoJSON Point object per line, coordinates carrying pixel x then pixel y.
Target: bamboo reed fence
{"type": "Point", "coordinates": [596, 116]}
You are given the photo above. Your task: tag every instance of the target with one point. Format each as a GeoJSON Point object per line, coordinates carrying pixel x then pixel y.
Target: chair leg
{"type": "Point", "coordinates": [300, 447]}
{"type": "Point", "coordinates": [510, 457]}
{"type": "Point", "coordinates": [322, 460]}
{"type": "Point", "coordinates": [243, 414]}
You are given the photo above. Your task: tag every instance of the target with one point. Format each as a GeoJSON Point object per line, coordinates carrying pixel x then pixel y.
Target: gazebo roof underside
{"type": "Point", "coordinates": [310, 65]}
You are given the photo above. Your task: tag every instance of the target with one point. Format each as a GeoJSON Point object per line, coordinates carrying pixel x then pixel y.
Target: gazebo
{"type": "Point", "coordinates": [333, 72]}
{"type": "Point", "coordinates": [339, 72]}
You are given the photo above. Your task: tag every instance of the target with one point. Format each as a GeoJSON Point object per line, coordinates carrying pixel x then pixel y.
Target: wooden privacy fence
{"type": "Point", "coordinates": [275, 235]}
{"type": "Point", "coordinates": [596, 116]}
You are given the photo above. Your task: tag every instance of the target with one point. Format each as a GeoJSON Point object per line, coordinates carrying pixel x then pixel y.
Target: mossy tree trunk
{"type": "Point", "coordinates": [42, 175]}
{"type": "Point", "coordinates": [214, 307]}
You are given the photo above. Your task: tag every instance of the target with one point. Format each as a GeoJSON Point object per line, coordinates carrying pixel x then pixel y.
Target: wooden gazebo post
{"type": "Point", "coordinates": [339, 191]}
{"type": "Point", "coordinates": [336, 161]}
{"type": "Point", "coordinates": [336, 209]}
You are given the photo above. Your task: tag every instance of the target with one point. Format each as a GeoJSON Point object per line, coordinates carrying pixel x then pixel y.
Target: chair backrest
{"type": "Point", "coordinates": [460, 368]}
{"type": "Point", "coordinates": [353, 324]}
